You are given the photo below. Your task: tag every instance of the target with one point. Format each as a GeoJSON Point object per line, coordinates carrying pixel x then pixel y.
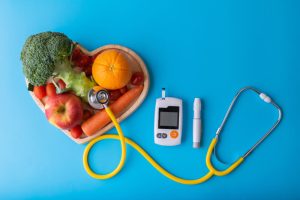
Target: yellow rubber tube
{"type": "Point", "coordinates": [124, 141]}
{"type": "Point", "coordinates": [211, 167]}
{"type": "Point", "coordinates": [94, 141]}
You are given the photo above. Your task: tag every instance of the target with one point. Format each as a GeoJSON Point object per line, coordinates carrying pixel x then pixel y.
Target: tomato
{"type": "Point", "coordinates": [124, 89]}
{"type": "Point", "coordinates": [137, 78]}
{"type": "Point", "coordinates": [50, 90]}
{"type": "Point", "coordinates": [95, 56]}
{"type": "Point", "coordinates": [61, 84]}
{"type": "Point", "coordinates": [39, 91]}
{"type": "Point", "coordinates": [76, 54]}
{"type": "Point", "coordinates": [87, 114]}
{"type": "Point", "coordinates": [82, 61]}
{"type": "Point", "coordinates": [76, 132]}
{"type": "Point", "coordinates": [88, 70]}
{"type": "Point", "coordinates": [114, 94]}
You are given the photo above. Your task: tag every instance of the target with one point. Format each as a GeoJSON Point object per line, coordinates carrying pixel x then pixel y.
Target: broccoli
{"type": "Point", "coordinates": [46, 55]}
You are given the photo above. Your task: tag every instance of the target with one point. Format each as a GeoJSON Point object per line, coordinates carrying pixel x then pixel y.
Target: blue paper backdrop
{"type": "Point", "coordinates": [206, 49]}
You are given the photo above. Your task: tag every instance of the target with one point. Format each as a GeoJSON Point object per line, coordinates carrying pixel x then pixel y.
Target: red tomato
{"type": "Point", "coordinates": [123, 90]}
{"type": "Point", "coordinates": [61, 84]}
{"type": "Point", "coordinates": [76, 54]}
{"type": "Point", "coordinates": [94, 57]}
{"type": "Point", "coordinates": [39, 91]}
{"type": "Point", "coordinates": [50, 90]}
{"type": "Point", "coordinates": [137, 78]}
{"type": "Point", "coordinates": [87, 114]}
{"type": "Point", "coordinates": [82, 61]}
{"type": "Point", "coordinates": [88, 70]}
{"type": "Point", "coordinates": [114, 94]}
{"type": "Point", "coordinates": [76, 132]}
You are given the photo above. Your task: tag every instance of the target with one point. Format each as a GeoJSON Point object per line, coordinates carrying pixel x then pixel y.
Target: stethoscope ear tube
{"type": "Point", "coordinates": [263, 97]}
{"type": "Point", "coordinates": [269, 131]}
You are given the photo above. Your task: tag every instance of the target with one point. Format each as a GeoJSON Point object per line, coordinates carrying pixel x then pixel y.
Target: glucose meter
{"type": "Point", "coordinates": [168, 120]}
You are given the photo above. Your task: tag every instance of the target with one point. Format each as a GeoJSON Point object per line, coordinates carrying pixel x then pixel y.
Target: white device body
{"type": "Point", "coordinates": [197, 125]}
{"type": "Point", "coordinates": [168, 121]}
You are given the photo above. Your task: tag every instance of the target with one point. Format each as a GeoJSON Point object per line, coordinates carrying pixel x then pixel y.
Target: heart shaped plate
{"type": "Point", "coordinates": [137, 64]}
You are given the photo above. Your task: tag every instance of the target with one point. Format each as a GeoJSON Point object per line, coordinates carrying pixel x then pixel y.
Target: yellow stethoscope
{"type": "Point", "coordinates": [102, 98]}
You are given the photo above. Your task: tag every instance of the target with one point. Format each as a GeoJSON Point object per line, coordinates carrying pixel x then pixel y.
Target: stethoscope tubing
{"type": "Point", "coordinates": [212, 170]}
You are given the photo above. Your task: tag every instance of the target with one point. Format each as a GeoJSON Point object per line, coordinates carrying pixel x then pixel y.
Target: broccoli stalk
{"type": "Point", "coordinates": [45, 55]}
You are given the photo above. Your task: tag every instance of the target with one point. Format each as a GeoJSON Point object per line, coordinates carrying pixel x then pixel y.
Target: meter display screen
{"type": "Point", "coordinates": [168, 117]}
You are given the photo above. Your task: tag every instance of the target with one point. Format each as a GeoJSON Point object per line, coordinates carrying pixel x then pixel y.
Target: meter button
{"type": "Point", "coordinates": [158, 135]}
{"type": "Point", "coordinates": [174, 134]}
{"type": "Point", "coordinates": [164, 135]}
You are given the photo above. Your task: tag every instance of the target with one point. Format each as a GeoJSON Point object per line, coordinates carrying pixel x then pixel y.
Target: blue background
{"type": "Point", "coordinates": [193, 48]}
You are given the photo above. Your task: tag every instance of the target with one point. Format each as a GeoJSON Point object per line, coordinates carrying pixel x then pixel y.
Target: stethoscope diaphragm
{"type": "Point", "coordinates": [98, 99]}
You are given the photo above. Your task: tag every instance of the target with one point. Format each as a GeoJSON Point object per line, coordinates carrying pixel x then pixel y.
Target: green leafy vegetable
{"type": "Point", "coordinates": [76, 81]}
{"type": "Point", "coordinates": [47, 54]}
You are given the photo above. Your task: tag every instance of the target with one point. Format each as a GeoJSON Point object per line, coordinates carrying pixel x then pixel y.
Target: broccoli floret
{"type": "Point", "coordinates": [38, 65]}
{"type": "Point", "coordinates": [59, 47]}
{"type": "Point", "coordinates": [44, 54]}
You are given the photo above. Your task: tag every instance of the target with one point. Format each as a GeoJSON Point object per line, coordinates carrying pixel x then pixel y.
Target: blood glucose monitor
{"type": "Point", "coordinates": [168, 120]}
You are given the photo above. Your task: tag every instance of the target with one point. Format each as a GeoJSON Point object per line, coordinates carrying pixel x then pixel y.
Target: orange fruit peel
{"type": "Point", "coordinates": [111, 69]}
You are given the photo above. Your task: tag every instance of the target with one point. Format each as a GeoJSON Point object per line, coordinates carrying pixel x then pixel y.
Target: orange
{"type": "Point", "coordinates": [111, 69]}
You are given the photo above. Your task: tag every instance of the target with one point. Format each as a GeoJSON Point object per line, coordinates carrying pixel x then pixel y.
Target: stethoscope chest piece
{"type": "Point", "coordinates": [98, 99]}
